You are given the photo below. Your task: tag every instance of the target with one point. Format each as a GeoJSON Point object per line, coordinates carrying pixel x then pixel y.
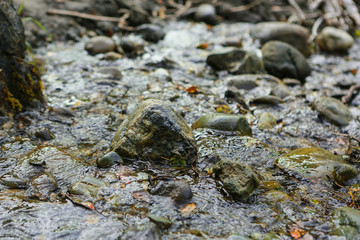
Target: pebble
{"type": "Point", "coordinates": [151, 32]}
{"type": "Point", "coordinates": [108, 160]}
{"type": "Point", "coordinates": [332, 39]}
{"type": "Point", "coordinates": [266, 121]}
{"type": "Point", "coordinates": [100, 44]}
{"type": "Point", "coordinates": [206, 13]}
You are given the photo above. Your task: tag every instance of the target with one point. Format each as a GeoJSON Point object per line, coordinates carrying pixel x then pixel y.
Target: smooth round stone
{"type": "Point", "coordinates": [112, 56]}
{"type": "Point", "coordinates": [284, 61]}
{"type": "Point", "coordinates": [151, 32]}
{"type": "Point", "coordinates": [224, 122]}
{"type": "Point", "coordinates": [100, 44]}
{"type": "Point", "coordinates": [317, 162]}
{"type": "Point", "coordinates": [179, 191]}
{"type": "Point", "coordinates": [206, 13]}
{"type": "Point", "coordinates": [238, 179]}
{"type": "Point", "coordinates": [112, 72]}
{"type": "Point", "coordinates": [334, 110]}
{"type": "Point", "coordinates": [108, 160]}
{"type": "Point", "coordinates": [242, 82]}
{"type": "Point", "coordinates": [43, 134]}
{"type": "Point", "coordinates": [292, 34]}
{"type": "Point", "coordinates": [275, 196]}
{"type": "Point", "coordinates": [332, 39]}
{"type": "Point", "coordinates": [281, 90]}
{"type": "Point", "coordinates": [266, 121]}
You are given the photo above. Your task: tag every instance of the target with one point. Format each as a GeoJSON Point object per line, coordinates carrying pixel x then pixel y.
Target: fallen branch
{"type": "Point", "coordinates": [348, 96]}
{"type": "Point", "coordinates": [245, 7]}
{"type": "Point", "coordinates": [92, 17]}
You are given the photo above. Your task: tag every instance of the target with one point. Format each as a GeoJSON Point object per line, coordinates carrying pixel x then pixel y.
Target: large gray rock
{"type": "Point", "coordinates": [238, 179]}
{"type": "Point", "coordinates": [155, 132]}
{"type": "Point", "coordinates": [334, 110]}
{"type": "Point", "coordinates": [284, 61]}
{"type": "Point", "coordinates": [332, 39]}
{"type": "Point", "coordinates": [347, 223]}
{"type": "Point", "coordinates": [236, 61]}
{"type": "Point", "coordinates": [20, 83]}
{"type": "Point", "coordinates": [293, 34]}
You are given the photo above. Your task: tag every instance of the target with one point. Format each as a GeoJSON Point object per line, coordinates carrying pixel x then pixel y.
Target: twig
{"type": "Point", "coordinates": [245, 7]}
{"type": "Point", "coordinates": [329, 9]}
{"type": "Point", "coordinates": [91, 17]}
{"type": "Point", "coordinates": [348, 96]}
{"type": "Point", "coordinates": [315, 28]}
{"type": "Point", "coordinates": [294, 4]}
{"type": "Point", "coordinates": [352, 10]}
{"type": "Point", "coordinates": [181, 10]}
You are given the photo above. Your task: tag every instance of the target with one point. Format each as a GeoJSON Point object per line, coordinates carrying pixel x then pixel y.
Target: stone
{"type": "Point", "coordinates": [331, 39]}
{"type": "Point", "coordinates": [20, 83]}
{"type": "Point", "coordinates": [111, 71]}
{"type": "Point", "coordinates": [334, 110]}
{"type": "Point", "coordinates": [281, 91]}
{"type": "Point", "coordinates": [238, 179]}
{"type": "Point", "coordinates": [242, 82]}
{"type": "Point", "coordinates": [236, 61]}
{"type": "Point", "coordinates": [293, 34]}
{"type": "Point", "coordinates": [206, 13]}
{"type": "Point", "coordinates": [100, 44]}
{"type": "Point", "coordinates": [88, 187]}
{"type": "Point", "coordinates": [162, 222]}
{"type": "Point", "coordinates": [316, 162]}
{"type": "Point", "coordinates": [284, 61]}
{"type": "Point", "coordinates": [266, 121]}
{"type": "Point", "coordinates": [347, 221]}
{"type": "Point", "coordinates": [155, 132]}
{"type": "Point", "coordinates": [179, 191]}
{"type": "Point", "coordinates": [43, 186]}
{"type": "Point", "coordinates": [275, 196]}
{"type": "Point", "coordinates": [108, 160]}
{"type": "Point", "coordinates": [291, 82]}
{"type": "Point", "coordinates": [43, 133]}
{"type": "Point", "coordinates": [271, 100]}
{"type": "Point", "coordinates": [151, 32]}
{"type": "Point", "coordinates": [224, 122]}
{"type": "Point", "coordinates": [112, 56]}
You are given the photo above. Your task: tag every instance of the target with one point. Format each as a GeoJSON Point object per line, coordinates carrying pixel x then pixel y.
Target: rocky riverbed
{"type": "Point", "coordinates": [185, 137]}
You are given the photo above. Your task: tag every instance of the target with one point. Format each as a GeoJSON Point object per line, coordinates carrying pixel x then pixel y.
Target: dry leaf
{"type": "Point", "coordinates": [192, 90]}
{"type": "Point", "coordinates": [224, 109]}
{"type": "Point", "coordinates": [88, 205]}
{"type": "Point", "coordinates": [203, 46]}
{"type": "Point", "coordinates": [185, 211]}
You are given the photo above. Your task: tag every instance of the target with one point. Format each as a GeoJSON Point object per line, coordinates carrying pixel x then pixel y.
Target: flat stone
{"type": "Point", "coordinates": [331, 39]}
{"type": "Point", "coordinates": [100, 44]}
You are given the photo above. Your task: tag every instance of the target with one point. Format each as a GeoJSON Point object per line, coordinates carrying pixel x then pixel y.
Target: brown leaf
{"type": "Point", "coordinates": [185, 211]}
{"type": "Point", "coordinates": [192, 90]}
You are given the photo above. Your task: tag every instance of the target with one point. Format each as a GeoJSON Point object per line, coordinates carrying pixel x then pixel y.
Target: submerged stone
{"type": "Point", "coordinates": [155, 132]}
{"type": "Point", "coordinates": [87, 187]}
{"type": "Point", "coordinates": [238, 179]}
{"type": "Point", "coordinates": [284, 61]}
{"type": "Point", "coordinates": [162, 222]}
{"type": "Point", "coordinates": [108, 160]}
{"type": "Point", "coordinates": [266, 121]}
{"type": "Point", "coordinates": [334, 110]}
{"type": "Point", "coordinates": [236, 61]}
{"type": "Point", "coordinates": [317, 162]}
{"type": "Point", "coordinates": [179, 191]}
{"type": "Point", "coordinates": [43, 186]}
{"type": "Point", "coordinates": [348, 222]}
{"type": "Point", "coordinates": [224, 122]}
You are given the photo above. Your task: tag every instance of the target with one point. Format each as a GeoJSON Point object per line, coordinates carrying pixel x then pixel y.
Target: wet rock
{"type": "Point", "coordinates": [271, 100]}
{"type": "Point", "coordinates": [132, 46]}
{"type": "Point", "coordinates": [13, 182]}
{"type": "Point", "coordinates": [20, 83]}
{"type": "Point", "coordinates": [291, 82]}
{"type": "Point", "coordinates": [206, 13]}
{"type": "Point", "coordinates": [43, 186]}
{"type": "Point", "coordinates": [151, 32]}
{"type": "Point", "coordinates": [139, 10]}
{"type": "Point", "coordinates": [348, 222]}
{"type": "Point", "coordinates": [112, 72]}
{"type": "Point", "coordinates": [224, 122]}
{"type": "Point", "coordinates": [238, 179]}
{"type": "Point", "coordinates": [242, 82]}
{"type": "Point", "coordinates": [236, 61]}
{"type": "Point", "coordinates": [275, 196]}
{"type": "Point", "coordinates": [284, 61]}
{"type": "Point", "coordinates": [266, 121]}
{"type": "Point", "coordinates": [108, 160]}
{"type": "Point", "coordinates": [332, 39]}
{"type": "Point", "coordinates": [179, 191]}
{"type": "Point", "coordinates": [149, 231]}
{"type": "Point", "coordinates": [154, 132]}
{"type": "Point", "coordinates": [65, 168]}
{"type": "Point", "coordinates": [87, 187]}
{"type": "Point", "coordinates": [317, 162]}
{"type": "Point", "coordinates": [233, 95]}
{"type": "Point", "coordinates": [112, 56]}
{"type": "Point", "coordinates": [162, 222]}
{"type": "Point", "coordinates": [334, 110]}
{"type": "Point", "coordinates": [293, 34]}
{"type": "Point", "coordinates": [100, 44]}
{"type": "Point", "coordinates": [43, 134]}
{"type": "Point", "coordinates": [281, 91]}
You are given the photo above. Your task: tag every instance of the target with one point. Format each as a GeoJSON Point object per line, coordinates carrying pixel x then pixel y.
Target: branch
{"type": "Point", "coordinates": [245, 7]}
